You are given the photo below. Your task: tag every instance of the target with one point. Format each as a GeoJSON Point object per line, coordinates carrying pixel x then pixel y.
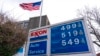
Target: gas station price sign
{"type": "Point", "coordinates": [69, 38]}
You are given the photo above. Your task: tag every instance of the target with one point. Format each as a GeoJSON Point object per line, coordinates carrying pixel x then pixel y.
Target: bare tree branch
{"type": "Point", "coordinates": [92, 14]}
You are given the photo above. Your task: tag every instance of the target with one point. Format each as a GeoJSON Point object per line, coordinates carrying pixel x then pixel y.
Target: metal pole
{"type": "Point", "coordinates": [41, 14]}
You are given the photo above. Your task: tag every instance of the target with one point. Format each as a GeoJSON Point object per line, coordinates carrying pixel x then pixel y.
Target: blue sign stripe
{"type": "Point", "coordinates": [38, 38]}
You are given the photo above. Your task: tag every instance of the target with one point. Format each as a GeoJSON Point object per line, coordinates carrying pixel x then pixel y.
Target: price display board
{"type": "Point", "coordinates": [69, 38]}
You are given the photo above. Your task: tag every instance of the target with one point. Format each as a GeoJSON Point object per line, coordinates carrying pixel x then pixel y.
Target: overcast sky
{"type": "Point", "coordinates": [56, 10]}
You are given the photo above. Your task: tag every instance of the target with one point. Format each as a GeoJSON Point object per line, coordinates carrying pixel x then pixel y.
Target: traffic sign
{"type": "Point", "coordinates": [69, 38]}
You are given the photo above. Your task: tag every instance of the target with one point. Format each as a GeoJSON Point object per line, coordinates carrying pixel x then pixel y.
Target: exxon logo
{"type": "Point", "coordinates": [38, 32]}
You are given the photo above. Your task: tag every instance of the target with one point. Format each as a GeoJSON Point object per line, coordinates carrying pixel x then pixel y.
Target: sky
{"type": "Point", "coordinates": [56, 10]}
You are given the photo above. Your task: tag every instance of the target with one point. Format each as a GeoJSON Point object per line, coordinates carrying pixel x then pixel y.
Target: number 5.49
{"type": "Point", "coordinates": [70, 42]}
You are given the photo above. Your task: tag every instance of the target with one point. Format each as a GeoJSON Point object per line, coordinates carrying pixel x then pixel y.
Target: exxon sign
{"type": "Point", "coordinates": [38, 34]}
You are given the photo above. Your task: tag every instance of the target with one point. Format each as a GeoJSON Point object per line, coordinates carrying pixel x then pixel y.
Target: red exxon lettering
{"type": "Point", "coordinates": [39, 32]}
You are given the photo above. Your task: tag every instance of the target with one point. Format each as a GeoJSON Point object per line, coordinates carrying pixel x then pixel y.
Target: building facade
{"type": "Point", "coordinates": [33, 22]}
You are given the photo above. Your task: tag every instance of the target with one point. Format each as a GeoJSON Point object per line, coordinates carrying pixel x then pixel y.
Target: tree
{"type": "Point", "coordinates": [92, 15]}
{"type": "Point", "coordinates": [12, 36]}
{"type": "Point", "coordinates": [98, 54]}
